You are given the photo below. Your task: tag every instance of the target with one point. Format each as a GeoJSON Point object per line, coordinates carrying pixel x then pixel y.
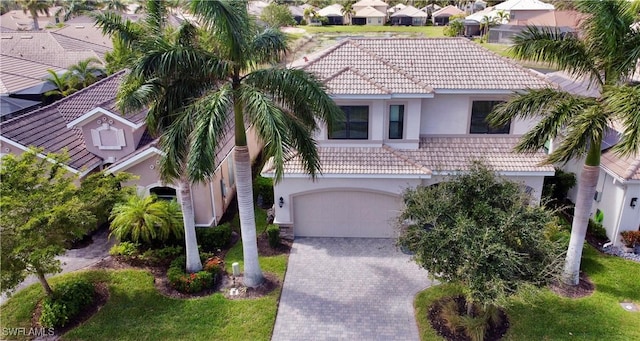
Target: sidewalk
{"type": "Point", "coordinates": [77, 259]}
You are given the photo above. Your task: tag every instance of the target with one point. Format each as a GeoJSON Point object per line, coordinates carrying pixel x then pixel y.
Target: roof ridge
{"type": "Point", "coordinates": [633, 168]}
{"type": "Point", "coordinates": [396, 68]}
{"type": "Point", "coordinates": [359, 74]}
{"type": "Point", "coordinates": [327, 51]}
{"type": "Point", "coordinates": [406, 158]}
{"type": "Point", "coordinates": [55, 33]}
{"type": "Point", "coordinates": [56, 104]}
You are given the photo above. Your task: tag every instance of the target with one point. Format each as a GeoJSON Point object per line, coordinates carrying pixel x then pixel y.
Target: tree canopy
{"type": "Point", "coordinates": [277, 15]}
{"type": "Point", "coordinates": [480, 231]}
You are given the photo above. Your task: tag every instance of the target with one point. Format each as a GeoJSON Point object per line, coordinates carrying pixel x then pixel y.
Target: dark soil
{"type": "Point", "coordinates": [271, 282]}
{"type": "Point", "coordinates": [100, 298]}
{"type": "Point", "coordinates": [584, 288]}
{"type": "Point", "coordinates": [264, 249]}
{"type": "Point", "coordinates": [495, 332]}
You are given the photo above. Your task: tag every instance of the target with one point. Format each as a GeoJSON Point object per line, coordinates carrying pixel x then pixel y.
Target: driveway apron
{"type": "Point", "coordinates": [348, 289]}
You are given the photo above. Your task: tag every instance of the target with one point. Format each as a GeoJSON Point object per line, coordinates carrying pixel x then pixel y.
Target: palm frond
{"type": "Point", "coordinates": [211, 116]}
{"type": "Point", "coordinates": [136, 94]}
{"type": "Point", "coordinates": [307, 149]}
{"type": "Point", "coordinates": [112, 24]}
{"type": "Point", "coordinates": [268, 46]}
{"type": "Point", "coordinates": [156, 15]}
{"type": "Point", "coordinates": [174, 142]}
{"type": "Point", "coordinates": [270, 123]}
{"type": "Point", "coordinates": [584, 131]}
{"type": "Point", "coordinates": [227, 20]}
{"type": "Point", "coordinates": [533, 103]}
{"type": "Point", "coordinates": [624, 104]}
{"type": "Point", "coordinates": [551, 46]}
{"type": "Point", "coordinates": [300, 92]}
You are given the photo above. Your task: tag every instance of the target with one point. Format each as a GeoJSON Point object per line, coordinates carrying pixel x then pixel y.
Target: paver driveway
{"type": "Point", "coordinates": [348, 289]}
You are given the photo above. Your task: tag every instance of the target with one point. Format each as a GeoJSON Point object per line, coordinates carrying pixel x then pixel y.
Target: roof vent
{"type": "Point", "coordinates": [6, 37]}
{"type": "Point", "coordinates": [79, 26]}
{"type": "Point", "coordinates": [26, 37]}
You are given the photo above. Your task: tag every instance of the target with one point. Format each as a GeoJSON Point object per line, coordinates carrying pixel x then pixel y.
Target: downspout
{"type": "Point", "coordinates": [213, 203]}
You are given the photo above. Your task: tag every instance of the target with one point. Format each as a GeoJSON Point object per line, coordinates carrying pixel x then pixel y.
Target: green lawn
{"type": "Point", "coordinates": [136, 311]}
{"type": "Point", "coordinates": [546, 316]}
{"type": "Point", "coordinates": [427, 31]}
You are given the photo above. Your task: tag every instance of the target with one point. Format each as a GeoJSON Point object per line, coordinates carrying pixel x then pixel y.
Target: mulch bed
{"type": "Point", "coordinates": [439, 324]}
{"type": "Point", "coordinates": [100, 298]}
{"type": "Point", "coordinates": [584, 288]}
{"type": "Point", "coordinates": [265, 250]}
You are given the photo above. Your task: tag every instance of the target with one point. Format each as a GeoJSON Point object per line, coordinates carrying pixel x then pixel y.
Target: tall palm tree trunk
{"type": "Point", "coordinates": [191, 245]}
{"type": "Point", "coordinates": [586, 189]}
{"type": "Point", "coordinates": [36, 26]}
{"type": "Point", "coordinates": [244, 194]}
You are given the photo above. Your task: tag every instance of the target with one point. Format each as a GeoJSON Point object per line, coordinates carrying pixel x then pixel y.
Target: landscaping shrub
{"type": "Point", "coordinates": [68, 300]}
{"type": "Point", "coordinates": [597, 230]}
{"type": "Point", "coordinates": [125, 249]}
{"type": "Point", "coordinates": [263, 188]}
{"type": "Point", "coordinates": [273, 234]}
{"type": "Point", "coordinates": [161, 256]}
{"type": "Point", "coordinates": [556, 187]}
{"type": "Point", "coordinates": [194, 282]}
{"type": "Point", "coordinates": [213, 238]}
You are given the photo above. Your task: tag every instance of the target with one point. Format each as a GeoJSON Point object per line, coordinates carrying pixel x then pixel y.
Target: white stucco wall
{"type": "Point", "coordinates": [289, 187]}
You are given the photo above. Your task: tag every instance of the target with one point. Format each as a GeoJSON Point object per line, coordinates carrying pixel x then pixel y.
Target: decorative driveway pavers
{"type": "Point", "coordinates": [348, 289]}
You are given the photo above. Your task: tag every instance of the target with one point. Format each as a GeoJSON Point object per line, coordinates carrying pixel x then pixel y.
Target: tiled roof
{"type": "Point", "coordinates": [439, 154]}
{"type": "Point", "coordinates": [577, 86]}
{"type": "Point", "coordinates": [17, 73]}
{"type": "Point", "coordinates": [524, 5]}
{"type": "Point", "coordinates": [417, 65]}
{"type": "Point", "coordinates": [18, 20]}
{"type": "Point", "coordinates": [358, 160]}
{"type": "Point", "coordinates": [371, 3]}
{"type": "Point", "coordinates": [410, 11]}
{"type": "Point", "coordinates": [447, 11]}
{"type": "Point", "coordinates": [368, 12]}
{"type": "Point", "coordinates": [334, 10]}
{"type": "Point", "coordinates": [47, 127]}
{"type": "Point", "coordinates": [627, 168]}
{"type": "Point", "coordinates": [450, 153]}
{"type": "Point", "coordinates": [83, 28]}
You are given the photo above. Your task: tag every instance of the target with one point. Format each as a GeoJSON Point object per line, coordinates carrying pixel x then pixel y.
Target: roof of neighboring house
{"type": "Point", "coordinates": [580, 86]}
{"type": "Point", "coordinates": [296, 11]}
{"type": "Point", "coordinates": [490, 12]}
{"type": "Point", "coordinates": [436, 154]}
{"type": "Point", "coordinates": [524, 5]}
{"type": "Point", "coordinates": [410, 11]}
{"type": "Point", "coordinates": [47, 127]}
{"type": "Point", "coordinates": [371, 3]}
{"type": "Point", "coordinates": [18, 20]}
{"type": "Point", "coordinates": [397, 7]}
{"type": "Point", "coordinates": [369, 12]}
{"type": "Point", "coordinates": [256, 7]}
{"type": "Point", "coordinates": [627, 168]}
{"type": "Point", "coordinates": [10, 105]}
{"type": "Point", "coordinates": [374, 66]}
{"type": "Point", "coordinates": [334, 10]}
{"type": "Point", "coordinates": [447, 11]}
{"type": "Point", "coordinates": [553, 19]}
{"type": "Point", "coordinates": [83, 28]}
{"type": "Point", "coordinates": [17, 73]}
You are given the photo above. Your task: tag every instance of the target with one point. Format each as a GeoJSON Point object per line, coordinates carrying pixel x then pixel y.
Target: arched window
{"type": "Point", "coordinates": [165, 193]}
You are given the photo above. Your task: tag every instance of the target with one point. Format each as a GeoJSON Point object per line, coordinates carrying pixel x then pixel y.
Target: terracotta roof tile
{"type": "Point", "coordinates": [417, 65]}
{"type": "Point", "coordinates": [627, 168]}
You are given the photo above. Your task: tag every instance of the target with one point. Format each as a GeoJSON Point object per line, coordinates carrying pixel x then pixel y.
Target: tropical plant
{"type": "Point", "coordinates": [277, 15]}
{"type": "Point", "coordinates": [605, 53]}
{"type": "Point", "coordinates": [283, 106]}
{"type": "Point", "coordinates": [85, 72]}
{"type": "Point", "coordinates": [479, 231]}
{"type": "Point", "coordinates": [42, 210]}
{"type": "Point", "coordinates": [146, 219]}
{"type": "Point", "coordinates": [114, 5]}
{"type": "Point", "coordinates": [33, 7]}
{"type": "Point", "coordinates": [72, 8]}
{"type": "Point", "coordinates": [348, 11]}
{"type": "Point", "coordinates": [65, 83]}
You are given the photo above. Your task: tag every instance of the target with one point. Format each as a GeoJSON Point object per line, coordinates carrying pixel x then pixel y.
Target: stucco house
{"type": "Point", "coordinates": [97, 136]}
{"type": "Point", "coordinates": [524, 9]}
{"type": "Point", "coordinates": [378, 5]}
{"type": "Point", "coordinates": [409, 16]}
{"type": "Point", "coordinates": [411, 118]}
{"type": "Point", "coordinates": [618, 189]}
{"type": "Point", "coordinates": [441, 16]}
{"type": "Point", "coordinates": [333, 13]}
{"type": "Point", "coordinates": [369, 16]}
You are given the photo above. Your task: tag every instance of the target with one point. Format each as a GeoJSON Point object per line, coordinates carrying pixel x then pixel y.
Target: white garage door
{"type": "Point", "coordinates": [345, 214]}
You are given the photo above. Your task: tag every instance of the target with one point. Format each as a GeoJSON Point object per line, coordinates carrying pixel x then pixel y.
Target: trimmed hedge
{"type": "Point", "coordinates": [212, 238]}
{"type": "Point", "coordinates": [273, 235]}
{"type": "Point", "coordinates": [263, 187]}
{"type": "Point", "coordinates": [194, 282]}
{"type": "Point", "coordinates": [68, 300]}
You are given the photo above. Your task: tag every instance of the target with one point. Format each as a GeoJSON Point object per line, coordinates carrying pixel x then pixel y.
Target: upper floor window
{"type": "Point", "coordinates": [396, 121]}
{"type": "Point", "coordinates": [479, 112]}
{"type": "Point", "coordinates": [354, 126]}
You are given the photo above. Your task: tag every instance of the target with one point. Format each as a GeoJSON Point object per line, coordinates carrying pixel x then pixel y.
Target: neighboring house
{"type": "Point", "coordinates": [369, 16]}
{"type": "Point", "coordinates": [441, 16]}
{"type": "Point", "coordinates": [395, 8]}
{"type": "Point", "coordinates": [472, 22]}
{"type": "Point", "coordinates": [333, 13]}
{"type": "Point", "coordinates": [618, 189]}
{"type": "Point", "coordinates": [18, 20]}
{"type": "Point", "coordinates": [566, 22]}
{"type": "Point", "coordinates": [97, 136]}
{"type": "Point", "coordinates": [524, 9]}
{"type": "Point", "coordinates": [411, 118]}
{"type": "Point", "coordinates": [256, 7]}
{"type": "Point", "coordinates": [378, 5]}
{"type": "Point", "coordinates": [409, 16]}
{"type": "Point", "coordinates": [297, 13]}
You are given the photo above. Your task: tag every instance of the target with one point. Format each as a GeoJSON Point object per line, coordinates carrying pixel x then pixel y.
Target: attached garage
{"type": "Point", "coordinates": [345, 213]}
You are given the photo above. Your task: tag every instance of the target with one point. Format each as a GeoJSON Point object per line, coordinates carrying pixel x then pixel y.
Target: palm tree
{"type": "Point", "coordinates": [85, 72]}
{"type": "Point", "coordinates": [71, 8]}
{"type": "Point", "coordinates": [348, 11]}
{"type": "Point", "coordinates": [34, 7]}
{"type": "Point", "coordinates": [115, 5]}
{"type": "Point", "coordinates": [146, 218]}
{"type": "Point", "coordinates": [283, 106]}
{"type": "Point", "coordinates": [65, 84]}
{"type": "Point", "coordinates": [606, 53]}
{"type": "Point", "coordinates": [163, 79]}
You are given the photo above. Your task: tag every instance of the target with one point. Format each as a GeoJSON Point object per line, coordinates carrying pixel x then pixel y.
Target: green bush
{"type": "Point", "coordinates": [263, 187]}
{"type": "Point", "coordinates": [597, 230]}
{"type": "Point", "coordinates": [303, 22]}
{"type": "Point", "coordinates": [273, 234]}
{"type": "Point", "coordinates": [194, 282]}
{"type": "Point", "coordinates": [213, 238]}
{"type": "Point", "coordinates": [161, 256]}
{"type": "Point", "coordinates": [126, 249]}
{"type": "Point", "coordinates": [68, 300]}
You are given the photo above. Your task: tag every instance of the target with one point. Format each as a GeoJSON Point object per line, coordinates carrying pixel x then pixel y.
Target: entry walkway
{"type": "Point", "coordinates": [348, 289]}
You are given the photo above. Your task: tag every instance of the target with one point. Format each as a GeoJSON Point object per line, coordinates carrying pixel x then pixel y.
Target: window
{"type": "Point", "coordinates": [396, 121]}
{"type": "Point", "coordinates": [479, 112]}
{"type": "Point", "coordinates": [354, 126]}
{"type": "Point", "coordinates": [230, 168]}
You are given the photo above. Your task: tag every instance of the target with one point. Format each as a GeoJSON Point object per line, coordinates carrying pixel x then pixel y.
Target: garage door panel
{"type": "Point", "coordinates": [345, 214]}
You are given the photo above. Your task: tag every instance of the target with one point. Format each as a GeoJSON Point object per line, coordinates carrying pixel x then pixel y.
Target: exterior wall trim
{"type": "Point", "coordinates": [135, 159]}
{"type": "Point", "coordinates": [42, 156]}
{"type": "Point", "coordinates": [101, 111]}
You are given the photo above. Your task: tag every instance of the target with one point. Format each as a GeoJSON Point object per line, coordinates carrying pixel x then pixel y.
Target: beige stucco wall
{"type": "Point", "coordinates": [110, 155]}
{"type": "Point", "coordinates": [524, 15]}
